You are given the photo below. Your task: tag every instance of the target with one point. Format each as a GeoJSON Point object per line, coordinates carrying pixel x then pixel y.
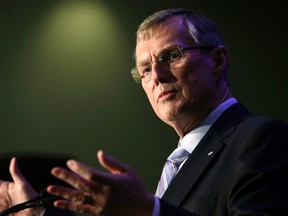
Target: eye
{"type": "Point", "coordinates": [145, 69]}
{"type": "Point", "coordinates": [170, 56]}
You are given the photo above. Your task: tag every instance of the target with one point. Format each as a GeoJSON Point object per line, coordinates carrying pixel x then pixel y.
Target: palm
{"type": "Point", "coordinates": [17, 191]}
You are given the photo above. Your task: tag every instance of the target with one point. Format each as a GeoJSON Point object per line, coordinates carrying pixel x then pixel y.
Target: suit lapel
{"type": "Point", "coordinates": [208, 148]}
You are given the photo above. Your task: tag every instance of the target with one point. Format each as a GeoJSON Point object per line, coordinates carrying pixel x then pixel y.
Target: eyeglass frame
{"type": "Point", "coordinates": [135, 74]}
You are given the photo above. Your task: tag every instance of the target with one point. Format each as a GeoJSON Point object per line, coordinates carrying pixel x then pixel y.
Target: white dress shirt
{"type": "Point", "coordinates": [191, 139]}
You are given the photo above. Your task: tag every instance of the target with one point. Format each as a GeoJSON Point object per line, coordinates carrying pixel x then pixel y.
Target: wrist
{"type": "Point", "coordinates": [148, 205]}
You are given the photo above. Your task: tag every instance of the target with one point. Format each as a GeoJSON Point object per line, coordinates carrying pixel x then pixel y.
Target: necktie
{"type": "Point", "coordinates": [170, 169]}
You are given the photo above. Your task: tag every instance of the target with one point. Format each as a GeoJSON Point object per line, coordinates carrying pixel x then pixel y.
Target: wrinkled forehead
{"type": "Point", "coordinates": [159, 36]}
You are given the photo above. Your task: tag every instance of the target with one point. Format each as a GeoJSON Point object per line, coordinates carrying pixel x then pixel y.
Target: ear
{"type": "Point", "coordinates": [220, 56]}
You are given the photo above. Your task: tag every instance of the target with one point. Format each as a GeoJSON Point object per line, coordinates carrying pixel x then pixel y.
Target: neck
{"type": "Point", "coordinates": [188, 121]}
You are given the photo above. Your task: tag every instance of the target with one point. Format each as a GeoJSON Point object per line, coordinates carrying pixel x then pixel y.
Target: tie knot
{"type": "Point", "coordinates": [178, 156]}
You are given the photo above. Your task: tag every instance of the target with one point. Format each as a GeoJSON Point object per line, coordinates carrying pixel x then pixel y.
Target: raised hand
{"type": "Point", "coordinates": [120, 192]}
{"type": "Point", "coordinates": [17, 191]}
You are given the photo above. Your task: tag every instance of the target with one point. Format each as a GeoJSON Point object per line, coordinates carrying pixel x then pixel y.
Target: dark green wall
{"type": "Point", "coordinates": [64, 92]}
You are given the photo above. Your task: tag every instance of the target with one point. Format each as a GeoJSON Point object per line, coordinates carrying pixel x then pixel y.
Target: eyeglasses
{"type": "Point", "coordinates": [171, 58]}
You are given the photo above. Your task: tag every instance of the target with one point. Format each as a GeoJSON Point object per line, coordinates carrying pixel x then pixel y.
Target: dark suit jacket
{"type": "Point", "coordinates": [240, 167]}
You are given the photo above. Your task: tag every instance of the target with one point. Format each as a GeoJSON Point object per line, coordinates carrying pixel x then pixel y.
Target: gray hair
{"type": "Point", "coordinates": [203, 31]}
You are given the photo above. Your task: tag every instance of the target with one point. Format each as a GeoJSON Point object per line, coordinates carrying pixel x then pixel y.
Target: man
{"type": "Point", "coordinates": [237, 163]}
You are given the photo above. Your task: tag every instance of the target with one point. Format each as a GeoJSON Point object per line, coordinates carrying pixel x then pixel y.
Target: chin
{"type": "Point", "coordinates": [168, 115]}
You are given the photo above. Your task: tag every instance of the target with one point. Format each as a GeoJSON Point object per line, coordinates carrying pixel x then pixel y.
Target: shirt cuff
{"type": "Point", "coordinates": [156, 208]}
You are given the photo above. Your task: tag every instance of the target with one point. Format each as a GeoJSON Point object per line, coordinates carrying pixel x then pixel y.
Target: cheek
{"type": "Point", "coordinates": [188, 83]}
{"type": "Point", "coordinates": [149, 93]}
{"type": "Point", "coordinates": [196, 83]}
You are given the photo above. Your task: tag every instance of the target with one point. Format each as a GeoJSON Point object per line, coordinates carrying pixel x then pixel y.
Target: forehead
{"type": "Point", "coordinates": [171, 32]}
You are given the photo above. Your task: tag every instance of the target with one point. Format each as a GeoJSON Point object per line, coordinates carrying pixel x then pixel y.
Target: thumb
{"type": "Point", "coordinates": [111, 164]}
{"type": "Point", "coordinates": [15, 172]}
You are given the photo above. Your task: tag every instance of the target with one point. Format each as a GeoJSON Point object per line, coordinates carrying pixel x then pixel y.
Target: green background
{"type": "Point", "coordinates": [65, 86]}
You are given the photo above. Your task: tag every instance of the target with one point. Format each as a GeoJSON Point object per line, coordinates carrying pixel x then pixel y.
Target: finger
{"type": "Point", "coordinates": [15, 172]}
{"type": "Point", "coordinates": [80, 169]}
{"type": "Point", "coordinates": [111, 164]}
{"type": "Point", "coordinates": [77, 207]}
{"type": "Point", "coordinates": [96, 176]}
{"type": "Point", "coordinates": [74, 179]}
{"type": "Point", "coordinates": [88, 173]}
{"type": "Point", "coordinates": [73, 200]}
{"type": "Point", "coordinates": [67, 193]}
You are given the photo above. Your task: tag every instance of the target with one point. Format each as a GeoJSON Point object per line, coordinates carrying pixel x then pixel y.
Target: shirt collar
{"type": "Point", "coordinates": [191, 139]}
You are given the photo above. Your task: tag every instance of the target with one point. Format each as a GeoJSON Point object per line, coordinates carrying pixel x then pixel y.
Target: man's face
{"type": "Point", "coordinates": [185, 92]}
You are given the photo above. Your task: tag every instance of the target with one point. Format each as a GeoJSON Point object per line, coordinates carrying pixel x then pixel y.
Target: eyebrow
{"type": "Point", "coordinates": [159, 53]}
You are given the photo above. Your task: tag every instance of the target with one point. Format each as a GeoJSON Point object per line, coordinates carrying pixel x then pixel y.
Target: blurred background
{"type": "Point", "coordinates": [65, 88]}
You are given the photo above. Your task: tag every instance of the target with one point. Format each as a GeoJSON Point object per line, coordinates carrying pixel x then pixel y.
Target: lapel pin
{"type": "Point", "coordinates": [210, 153]}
